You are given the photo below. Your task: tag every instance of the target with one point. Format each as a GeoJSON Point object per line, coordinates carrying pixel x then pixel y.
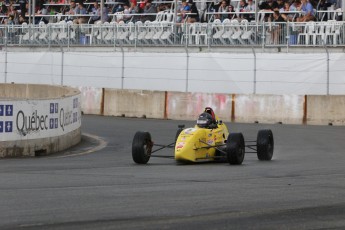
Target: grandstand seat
{"type": "Point", "coordinates": [237, 32]}
{"type": "Point", "coordinates": [142, 29]}
{"type": "Point", "coordinates": [228, 31]}
{"type": "Point", "coordinates": [43, 36]}
{"type": "Point", "coordinates": [247, 34]}
{"type": "Point", "coordinates": [168, 33]}
{"type": "Point", "coordinates": [111, 35]}
{"type": "Point", "coordinates": [158, 33]}
{"type": "Point", "coordinates": [218, 30]}
{"type": "Point", "coordinates": [307, 34]}
{"type": "Point", "coordinates": [151, 28]}
{"type": "Point", "coordinates": [63, 33]}
{"type": "Point", "coordinates": [103, 31]}
{"type": "Point", "coordinates": [132, 32]}
{"type": "Point", "coordinates": [122, 32]}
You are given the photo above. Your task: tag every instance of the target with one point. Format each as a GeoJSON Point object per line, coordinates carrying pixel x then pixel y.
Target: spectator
{"type": "Point", "coordinates": [185, 8]}
{"type": "Point", "coordinates": [22, 20]}
{"type": "Point", "coordinates": [43, 11]}
{"type": "Point", "coordinates": [14, 13]}
{"type": "Point", "coordinates": [73, 8]}
{"type": "Point", "coordinates": [96, 11]}
{"type": "Point", "coordinates": [250, 8]}
{"type": "Point", "coordinates": [307, 12]}
{"type": "Point", "coordinates": [295, 6]}
{"type": "Point", "coordinates": [81, 10]}
{"type": "Point", "coordinates": [3, 8]}
{"type": "Point", "coordinates": [98, 15]}
{"type": "Point", "coordinates": [163, 7]}
{"type": "Point", "coordinates": [120, 7]}
{"type": "Point", "coordinates": [71, 11]}
{"type": "Point", "coordinates": [286, 8]}
{"type": "Point", "coordinates": [268, 5]}
{"type": "Point", "coordinates": [232, 10]}
{"type": "Point", "coordinates": [224, 9]}
{"type": "Point", "coordinates": [242, 8]}
{"type": "Point", "coordinates": [127, 11]}
{"type": "Point", "coordinates": [277, 28]}
{"type": "Point", "coordinates": [149, 9]}
{"type": "Point", "coordinates": [323, 6]}
{"type": "Point", "coordinates": [215, 4]}
{"type": "Point", "coordinates": [10, 20]}
{"type": "Point", "coordinates": [279, 5]}
{"type": "Point", "coordinates": [22, 6]}
{"type": "Point", "coordinates": [194, 17]}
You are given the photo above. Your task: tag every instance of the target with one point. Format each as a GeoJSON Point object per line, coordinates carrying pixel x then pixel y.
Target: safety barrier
{"type": "Point", "coordinates": [242, 108]}
{"type": "Point", "coordinates": [218, 33]}
{"type": "Point", "coordinates": [38, 120]}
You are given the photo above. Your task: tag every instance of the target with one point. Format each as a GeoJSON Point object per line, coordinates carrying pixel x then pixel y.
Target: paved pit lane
{"type": "Point", "coordinates": [99, 187]}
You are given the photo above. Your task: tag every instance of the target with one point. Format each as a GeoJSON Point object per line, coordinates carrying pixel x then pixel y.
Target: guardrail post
{"type": "Point", "coordinates": [187, 68]}
{"type": "Point", "coordinates": [62, 64]}
{"type": "Point", "coordinates": [325, 46]}
{"type": "Point", "coordinates": [5, 69]}
{"type": "Point", "coordinates": [122, 68]}
{"type": "Point", "coordinates": [263, 36]}
{"type": "Point", "coordinates": [254, 86]}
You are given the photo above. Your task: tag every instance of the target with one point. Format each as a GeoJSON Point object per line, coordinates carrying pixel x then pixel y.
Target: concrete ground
{"type": "Point", "coordinates": [97, 186]}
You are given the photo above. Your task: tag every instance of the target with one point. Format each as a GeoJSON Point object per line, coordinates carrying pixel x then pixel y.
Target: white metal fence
{"type": "Point", "coordinates": [225, 33]}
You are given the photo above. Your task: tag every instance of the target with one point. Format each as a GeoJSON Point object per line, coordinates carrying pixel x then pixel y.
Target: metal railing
{"type": "Point", "coordinates": [227, 33]}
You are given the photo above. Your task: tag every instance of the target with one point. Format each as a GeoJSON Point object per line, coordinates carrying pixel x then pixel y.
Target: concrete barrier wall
{"type": "Point", "coordinates": [287, 109]}
{"type": "Point", "coordinates": [322, 110]}
{"type": "Point", "coordinates": [39, 147]}
{"type": "Point", "coordinates": [48, 122]}
{"type": "Point", "coordinates": [91, 100]}
{"type": "Point", "coordinates": [134, 103]}
{"type": "Point", "coordinates": [34, 91]}
{"type": "Point", "coordinates": [187, 106]}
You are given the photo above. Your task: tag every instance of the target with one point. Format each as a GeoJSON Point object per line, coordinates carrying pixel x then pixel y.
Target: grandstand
{"type": "Point", "coordinates": [211, 29]}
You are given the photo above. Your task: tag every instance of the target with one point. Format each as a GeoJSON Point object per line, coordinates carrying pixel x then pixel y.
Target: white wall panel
{"type": "Point", "coordinates": [275, 73]}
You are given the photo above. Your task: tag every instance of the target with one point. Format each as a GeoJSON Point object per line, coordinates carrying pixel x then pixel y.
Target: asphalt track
{"type": "Point", "coordinates": [97, 185]}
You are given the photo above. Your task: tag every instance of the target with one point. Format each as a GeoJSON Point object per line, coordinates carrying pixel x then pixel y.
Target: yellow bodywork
{"type": "Point", "coordinates": [191, 143]}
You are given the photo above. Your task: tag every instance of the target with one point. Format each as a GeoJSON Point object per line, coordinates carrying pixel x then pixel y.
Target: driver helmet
{"type": "Point", "coordinates": [204, 120]}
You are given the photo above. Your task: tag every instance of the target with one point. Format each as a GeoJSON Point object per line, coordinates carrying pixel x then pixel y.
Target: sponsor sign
{"type": "Point", "coordinates": [33, 119]}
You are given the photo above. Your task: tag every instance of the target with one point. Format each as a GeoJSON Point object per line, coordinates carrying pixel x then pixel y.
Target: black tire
{"type": "Point", "coordinates": [141, 147]}
{"type": "Point", "coordinates": [265, 145]}
{"type": "Point", "coordinates": [235, 148]}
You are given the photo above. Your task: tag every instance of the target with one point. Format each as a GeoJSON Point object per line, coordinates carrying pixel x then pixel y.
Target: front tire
{"type": "Point", "coordinates": [265, 145]}
{"type": "Point", "coordinates": [235, 148]}
{"type": "Point", "coordinates": [141, 147]}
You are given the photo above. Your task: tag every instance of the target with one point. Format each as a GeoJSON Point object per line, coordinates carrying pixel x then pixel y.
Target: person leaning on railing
{"type": "Point", "coordinates": [194, 13]}
{"type": "Point", "coordinates": [3, 8]}
{"type": "Point", "coordinates": [286, 8]}
{"type": "Point", "coordinates": [14, 13]}
{"type": "Point", "coordinates": [96, 11]}
{"type": "Point", "coordinates": [307, 12]}
{"type": "Point", "coordinates": [81, 10]}
{"type": "Point", "coordinates": [250, 8]}
{"type": "Point", "coordinates": [223, 8]}
{"type": "Point", "coordinates": [278, 27]}
{"type": "Point", "coordinates": [149, 8]}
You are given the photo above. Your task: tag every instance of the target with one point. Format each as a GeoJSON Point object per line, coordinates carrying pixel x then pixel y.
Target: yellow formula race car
{"type": "Point", "coordinates": [209, 140]}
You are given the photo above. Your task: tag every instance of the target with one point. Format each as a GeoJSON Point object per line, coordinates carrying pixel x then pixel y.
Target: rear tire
{"type": "Point", "coordinates": [265, 145]}
{"type": "Point", "coordinates": [235, 148]}
{"type": "Point", "coordinates": [141, 147]}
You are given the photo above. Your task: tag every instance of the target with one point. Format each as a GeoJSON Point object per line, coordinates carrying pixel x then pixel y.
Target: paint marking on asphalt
{"type": "Point", "coordinates": [102, 144]}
